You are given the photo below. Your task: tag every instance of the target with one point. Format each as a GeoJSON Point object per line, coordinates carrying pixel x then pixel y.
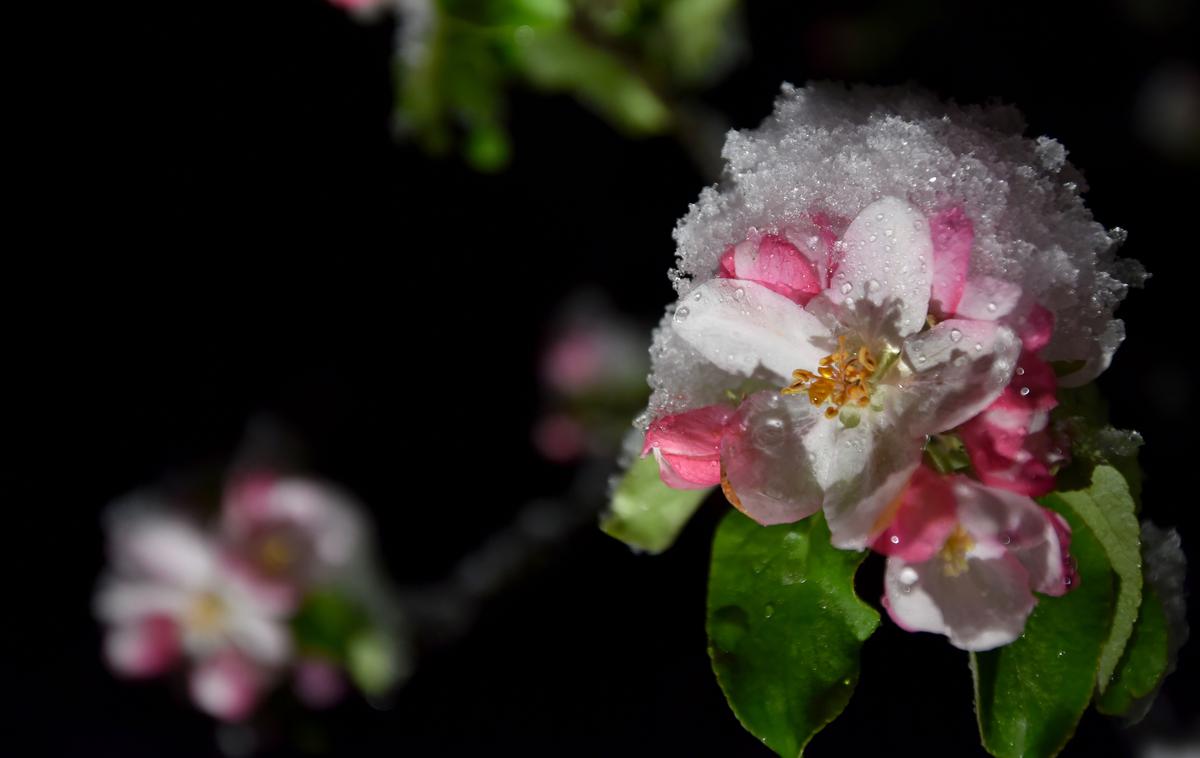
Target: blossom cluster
{"type": "Point", "coordinates": [875, 315]}
{"type": "Point", "coordinates": [282, 585]}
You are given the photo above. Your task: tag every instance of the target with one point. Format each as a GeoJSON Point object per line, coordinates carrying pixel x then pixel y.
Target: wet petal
{"type": "Point", "coordinates": [925, 517]}
{"type": "Point", "coordinates": [765, 458]}
{"type": "Point", "coordinates": [959, 368]}
{"type": "Point", "coordinates": [952, 235]}
{"type": "Point", "coordinates": [1001, 519]}
{"type": "Point", "coordinates": [987, 299]}
{"type": "Point", "coordinates": [687, 446]}
{"type": "Point", "coordinates": [863, 471]}
{"type": "Point", "coordinates": [983, 607]}
{"type": "Point", "coordinates": [887, 263]}
{"type": "Point", "coordinates": [741, 325]}
{"type": "Point", "coordinates": [776, 264]}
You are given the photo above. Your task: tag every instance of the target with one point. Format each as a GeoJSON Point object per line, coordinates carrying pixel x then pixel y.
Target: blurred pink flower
{"type": "Point", "coordinates": [283, 534]}
{"type": "Point", "coordinates": [171, 596]}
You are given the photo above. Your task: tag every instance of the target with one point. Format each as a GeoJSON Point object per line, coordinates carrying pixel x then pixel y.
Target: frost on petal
{"type": "Point", "coordinates": [958, 368]}
{"type": "Point", "coordinates": [987, 298]}
{"type": "Point", "coordinates": [143, 648]}
{"type": "Point", "coordinates": [980, 608]}
{"type": "Point", "coordinates": [1017, 525]}
{"type": "Point", "coordinates": [924, 518]}
{"type": "Point", "coordinates": [887, 262]}
{"type": "Point", "coordinates": [687, 446]}
{"type": "Point", "coordinates": [952, 235]}
{"type": "Point", "coordinates": [226, 686]}
{"type": "Point", "coordinates": [740, 326]}
{"type": "Point", "coordinates": [835, 150]}
{"type": "Point", "coordinates": [776, 264]}
{"type": "Point", "coordinates": [765, 458]}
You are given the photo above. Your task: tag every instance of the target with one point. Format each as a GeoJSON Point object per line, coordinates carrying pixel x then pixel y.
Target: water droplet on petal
{"type": "Point", "coordinates": [991, 307]}
{"type": "Point", "coordinates": [769, 611]}
{"type": "Point", "coordinates": [872, 286]}
{"type": "Point", "coordinates": [1024, 392]}
{"type": "Point", "coordinates": [978, 347]}
{"type": "Point", "coordinates": [682, 314]}
{"type": "Point", "coordinates": [955, 335]}
{"type": "Point", "coordinates": [895, 540]}
{"type": "Point", "coordinates": [846, 288]}
{"type": "Point", "coordinates": [739, 293]}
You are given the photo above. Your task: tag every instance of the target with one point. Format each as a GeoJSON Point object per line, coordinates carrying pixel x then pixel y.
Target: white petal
{"type": "Point", "coordinates": [739, 332]}
{"type": "Point", "coordinates": [121, 601]}
{"type": "Point", "coordinates": [987, 299]}
{"type": "Point", "coordinates": [888, 263]}
{"type": "Point", "coordinates": [980, 608]}
{"type": "Point", "coordinates": [1014, 523]}
{"type": "Point", "coordinates": [262, 639]}
{"type": "Point", "coordinates": [164, 547]}
{"type": "Point", "coordinates": [766, 461]}
{"type": "Point", "coordinates": [863, 469]}
{"type": "Point", "coordinates": [958, 368]}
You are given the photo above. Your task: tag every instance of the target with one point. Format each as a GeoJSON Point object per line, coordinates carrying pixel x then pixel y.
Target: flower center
{"type": "Point", "coordinates": [842, 378]}
{"type": "Point", "coordinates": [275, 554]}
{"type": "Point", "coordinates": [206, 612]}
{"type": "Point", "coordinates": [954, 551]}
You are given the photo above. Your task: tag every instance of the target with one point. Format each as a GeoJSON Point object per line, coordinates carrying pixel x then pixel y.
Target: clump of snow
{"type": "Point", "coordinates": [833, 150]}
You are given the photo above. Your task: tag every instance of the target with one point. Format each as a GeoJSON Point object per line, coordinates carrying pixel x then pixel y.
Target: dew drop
{"type": "Point", "coordinates": [895, 540]}
{"type": "Point", "coordinates": [682, 314]}
{"type": "Point", "coordinates": [978, 347]}
{"type": "Point", "coordinates": [908, 576]}
{"type": "Point", "coordinates": [739, 293]}
{"type": "Point", "coordinates": [1020, 371]}
{"type": "Point", "coordinates": [768, 611]}
{"type": "Point", "coordinates": [955, 335]}
{"type": "Point", "coordinates": [872, 286]}
{"type": "Point", "coordinates": [1024, 392]}
{"type": "Point", "coordinates": [698, 296]}
{"type": "Point", "coordinates": [846, 288]}
{"type": "Point", "coordinates": [991, 307]}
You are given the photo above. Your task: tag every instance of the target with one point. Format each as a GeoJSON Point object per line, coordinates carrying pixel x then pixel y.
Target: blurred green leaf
{"type": "Point", "coordinates": [325, 624]}
{"type": "Point", "coordinates": [647, 514]}
{"type": "Point", "coordinates": [785, 627]}
{"type": "Point", "coordinates": [372, 662]}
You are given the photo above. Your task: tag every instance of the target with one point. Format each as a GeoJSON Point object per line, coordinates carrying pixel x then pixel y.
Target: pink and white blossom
{"type": "Point", "coordinates": [965, 560]}
{"type": "Point", "coordinates": [839, 324]}
{"type": "Point", "coordinates": [172, 598]}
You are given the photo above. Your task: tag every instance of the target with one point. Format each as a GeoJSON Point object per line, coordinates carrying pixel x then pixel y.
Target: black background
{"type": "Point", "coordinates": [233, 232]}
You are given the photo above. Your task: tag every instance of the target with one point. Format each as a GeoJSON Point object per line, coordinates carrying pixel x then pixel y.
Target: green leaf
{"type": "Point", "coordinates": [647, 514]}
{"type": "Point", "coordinates": [1145, 660]}
{"type": "Point", "coordinates": [1029, 695]}
{"type": "Point", "coordinates": [1107, 509]}
{"type": "Point", "coordinates": [372, 662]}
{"type": "Point", "coordinates": [1082, 413]}
{"type": "Point", "coordinates": [559, 60]}
{"type": "Point", "coordinates": [325, 623]}
{"type": "Point", "coordinates": [785, 627]}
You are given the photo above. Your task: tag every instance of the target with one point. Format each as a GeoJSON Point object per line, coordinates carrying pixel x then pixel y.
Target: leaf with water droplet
{"type": "Point", "coordinates": [1028, 698]}
{"type": "Point", "coordinates": [647, 514]}
{"type": "Point", "coordinates": [790, 668]}
{"type": "Point", "coordinates": [1107, 508]}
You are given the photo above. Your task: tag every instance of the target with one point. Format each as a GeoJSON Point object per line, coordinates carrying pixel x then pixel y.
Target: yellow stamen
{"type": "Point", "coordinates": [275, 554]}
{"type": "Point", "coordinates": [205, 613]}
{"type": "Point", "coordinates": [954, 552]}
{"type": "Point", "coordinates": [842, 378]}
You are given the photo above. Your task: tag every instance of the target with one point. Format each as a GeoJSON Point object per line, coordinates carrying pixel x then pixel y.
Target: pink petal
{"type": "Point", "coordinates": [960, 367]}
{"type": "Point", "coordinates": [162, 547]}
{"type": "Point", "coordinates": [226, 686]}
{"type": "Point", "coordinates": [923, 521]}
{"type": "Point", "coordinates": [560, 438]}
{"type": "Point", "coordinates": [1002, 520]}
{"type": "Point", "coordinates": [953, 234]}
{"type": "Point", "coordinates": [983, 607]}
{"type": "Point", "coordinates": [774, 263]}
{"type": "Point", "coordinates": [687, 446]}
{"type": "Point", "coordinates": [1036, 329]}
{"type": "Point", "coordinates": [319, 684]}
{"type": "Point", "coordinates": [885, 264]}
{"type": "Point", "coordinates": [144, 648]}
{"type": "Point", "coordinates": [765, 459]}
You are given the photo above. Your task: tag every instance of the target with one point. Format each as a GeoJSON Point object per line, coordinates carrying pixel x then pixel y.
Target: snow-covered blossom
{"type": "Point", "coordinates": [861, 281]}
{"type": "Point", "coordinates": [964, 559]}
